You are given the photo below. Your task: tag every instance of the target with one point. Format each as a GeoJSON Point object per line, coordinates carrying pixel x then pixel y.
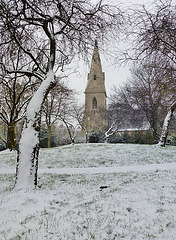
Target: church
{"type": "Point", "coordinates": [95, 95]}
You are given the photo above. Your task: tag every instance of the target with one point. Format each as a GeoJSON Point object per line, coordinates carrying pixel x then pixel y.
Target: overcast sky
{"type": "Point", "coordinates": [114, 75]}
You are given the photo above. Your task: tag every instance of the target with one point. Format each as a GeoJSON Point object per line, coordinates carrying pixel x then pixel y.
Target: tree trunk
{"type": "Point", "coordinates": [69, 131]}
{"type": "Point", "coordinates": [152, 118]}
{"type": "Point", "coordinates": [11, 138]}
{"type": "Point", "coordinates": [49, 136]}
{"type": "Point", "coordinates": [86, 133]}
{"type": "Point", "coordinates": [112, 129]}
{"type": "Point", "coordinates": [166, 125]}
{"type": "Point", "coordinates": [155, 133]}
{"type": "Point", "coordinates": [27, 160]}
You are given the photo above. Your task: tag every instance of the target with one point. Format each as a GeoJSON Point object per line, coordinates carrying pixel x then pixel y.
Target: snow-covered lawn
{"type": "Point", "coordinates": [92, 191]}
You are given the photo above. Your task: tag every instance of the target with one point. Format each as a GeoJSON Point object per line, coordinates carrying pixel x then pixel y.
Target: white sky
{"type": "Point", "coordinates": [114, 75]}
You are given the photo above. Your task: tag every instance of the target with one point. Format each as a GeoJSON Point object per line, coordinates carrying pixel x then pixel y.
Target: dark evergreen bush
{"type": "Point", "coordinates": [138, 137]}
{"type": "Point", "coordinates": [126, 138]}
{"type": "Point", "coordinates": [148, 137]}
{"type": "Point", "coordinates": [2, 145]}
{"type": "Point", "coordinates": [115, 139]}
{"type": "Point", "coordinates": [173, 141]}
{"type": "Point", "coordinates": [96, 137]}
{"type": "Point", "coordinates": [142, 137]}
{"type": "Point", "coordinates": [44, 139]}
{"type": "Point", "coordinates": [64, 141]}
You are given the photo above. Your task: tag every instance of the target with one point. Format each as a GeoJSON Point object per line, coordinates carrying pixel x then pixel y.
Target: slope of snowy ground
{"type": "Point", "coordinates": [93, 191]}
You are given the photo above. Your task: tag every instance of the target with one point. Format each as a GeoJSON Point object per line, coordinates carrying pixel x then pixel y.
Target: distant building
{"type": "Point", "coordinates": [95, 95]}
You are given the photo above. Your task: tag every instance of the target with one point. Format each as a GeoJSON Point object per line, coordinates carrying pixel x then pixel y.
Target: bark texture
{"type": "Point", "coordinates": [11, 138]}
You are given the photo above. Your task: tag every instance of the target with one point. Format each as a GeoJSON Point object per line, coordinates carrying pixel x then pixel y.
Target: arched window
{"type": "Point", "coordinates": [95, 77]}
{"type": "Point", "coordinates": [94, 103]}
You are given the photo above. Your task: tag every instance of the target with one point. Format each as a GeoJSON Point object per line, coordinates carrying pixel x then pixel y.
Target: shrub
{"type": "Point", "coordinates": [64, 141]}
{"type": "Point", "coordinates": [2, 145]}
{"type": "Point", "coordinates": [173, 141]}
{"type": "Point", "coordinates": [138, 137]}
{"type": "Point", "coordinates": [44, 139]}
{"type": "Point", "coordinates": [115, 139]}
{"type": "Point", "coordinates": [80, 140]}
{"type": "Point", "coordinates": [149, 137]}
{"type": "Point", "coordinates": [96, 137]}
{"type": "Point", "coordinates": [126, 138]}
{"type": "Point", "coordinates": [143, 137]}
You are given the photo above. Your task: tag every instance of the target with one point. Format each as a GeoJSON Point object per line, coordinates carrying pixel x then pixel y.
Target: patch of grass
{"type": "Point", "coordinates": [135, 205]}
{"type": "Point", "coordinates": [7, 182]}
{"type": "Point", "coordinates": [88, 155]}
{"type": "Point", "coordinates": [48, 181]}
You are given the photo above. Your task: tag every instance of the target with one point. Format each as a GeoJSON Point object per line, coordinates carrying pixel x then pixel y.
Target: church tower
{"type": "Point", "coordinates": [95, 95]}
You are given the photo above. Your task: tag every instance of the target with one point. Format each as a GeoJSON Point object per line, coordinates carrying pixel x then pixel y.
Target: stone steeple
{"type": "Point", "coordinates": [95, 94]}
{"type": "Point", "coordinates": [96, 78]}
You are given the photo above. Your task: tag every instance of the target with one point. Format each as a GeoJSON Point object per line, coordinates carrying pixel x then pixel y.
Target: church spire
{"type": "Point", "coordinates": [95, 94]}
{"type": "Point", "coordinates": [96, 77]}
{"type": "Point", "coordinates": [96, 62]}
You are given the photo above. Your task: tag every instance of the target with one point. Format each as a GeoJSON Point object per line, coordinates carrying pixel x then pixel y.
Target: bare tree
{"type": "Point", "coordinates": [48, 32]}
{"type": "Point", "coordinates": [15, 93]}
{"type": "Point", "coordinates": [113, 118]}
{"type": "Point", "coordinates": [111, 130]}
{"type": "Point", "coordinates": [58, 98]}
{"type": "Point", "coordinates": [71, 128]}
{"type": "Point", "coordinates": [78, 114]}
{"type": "Point", "coordinates": [150, 90]}
{"type": "Point", "coordinates": [67, 117]}
{"type": "Point", "coordinates": [124, 110]}
{"type": "Point", "coordinates": [154, 29]}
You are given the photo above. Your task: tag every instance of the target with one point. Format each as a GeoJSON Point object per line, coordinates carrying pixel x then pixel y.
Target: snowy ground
{"type": "Point", "coordinates": [93, 191]}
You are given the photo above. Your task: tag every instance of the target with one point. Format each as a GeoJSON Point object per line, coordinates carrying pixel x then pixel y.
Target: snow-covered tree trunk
{"type": "Point", "coordinates": [27, 165]}
{"type": "Point", "coordinates": [166, 124]}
